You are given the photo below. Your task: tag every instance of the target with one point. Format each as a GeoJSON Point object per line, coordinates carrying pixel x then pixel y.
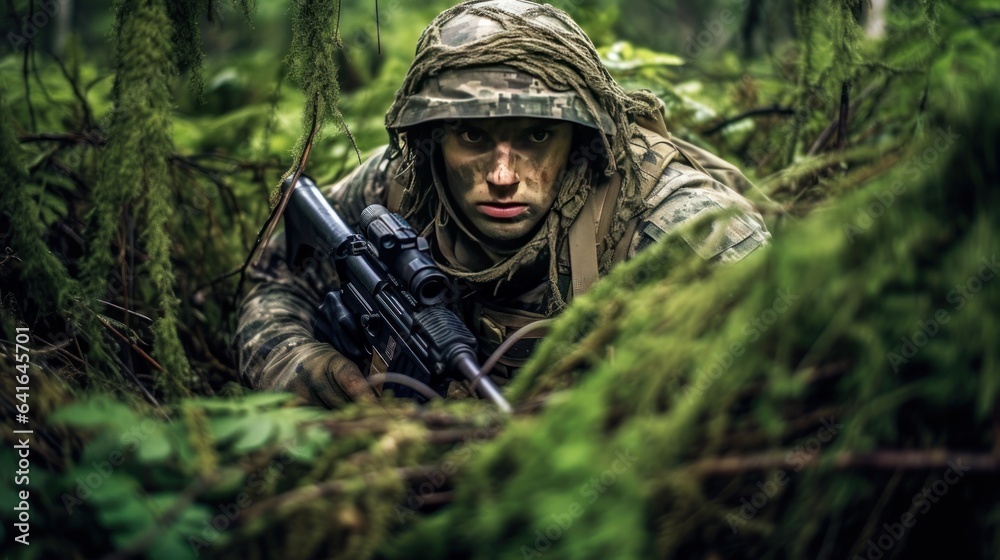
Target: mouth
{"type": "Point", "coordinates": [502, 210]}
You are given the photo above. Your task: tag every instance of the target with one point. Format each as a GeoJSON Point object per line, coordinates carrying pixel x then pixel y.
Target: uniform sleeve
{"type": "Point", "coordinates": [684, 197]}
{"type": "Point", "coordinates": [275, 346]}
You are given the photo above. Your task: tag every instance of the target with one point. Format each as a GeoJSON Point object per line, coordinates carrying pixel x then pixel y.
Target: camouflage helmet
{"type": "Point", "coordinates": [488, 91]}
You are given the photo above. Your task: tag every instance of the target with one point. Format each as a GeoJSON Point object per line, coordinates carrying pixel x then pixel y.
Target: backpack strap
{"type": "Point", "coordinates": [593, 224]}
{"type": "Point", "coordinates": [606, 213]}
{"type": "Point", "coordinates": [583, 241]}
{"type": "Point", "coordinates": [654, 160]}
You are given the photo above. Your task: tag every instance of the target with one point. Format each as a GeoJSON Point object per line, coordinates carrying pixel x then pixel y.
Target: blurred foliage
{"type": "Point", "coordinates": [137, 163]}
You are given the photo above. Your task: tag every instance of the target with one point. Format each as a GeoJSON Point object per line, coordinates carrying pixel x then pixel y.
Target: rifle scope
{"type": "Point", "coordinates": [406, 253]}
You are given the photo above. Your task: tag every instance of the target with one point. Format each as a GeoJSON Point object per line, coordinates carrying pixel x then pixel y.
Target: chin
{"type": "Point", "coordinates": [511, 237]}
{"type": "Point", "coordinates": [500, 235]}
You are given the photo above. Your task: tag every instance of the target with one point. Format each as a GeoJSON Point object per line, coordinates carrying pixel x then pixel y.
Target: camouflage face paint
{"type": "Point", "coordinates": [502, 173]}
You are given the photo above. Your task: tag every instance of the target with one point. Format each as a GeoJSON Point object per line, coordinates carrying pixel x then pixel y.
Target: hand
{"type": "Point", "coordinates": [335, 324]}
{"type": "Point", "coordinates": [317, 373]}
{"type": "Point", "coordinates": [341, 373]}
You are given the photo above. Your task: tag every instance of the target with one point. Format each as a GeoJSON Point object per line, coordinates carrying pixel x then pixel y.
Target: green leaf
{"type": "Point", "coordinates": [248, 402]}
{"type": "Point", "coordinates": [156, 446]}
{"type": "Point", "coordinates": [227, 428]}
{"type": "Point", "coordinates": [173, 544]}
{"type": "Point", "coordinates": [95, 412]}
{"type": "Point", "coordinates": [257, 437]}
{"type": "Point", "coordinates": [622, 55]}
{"type": "Point", "coordinates": [314, 443]}
{"type": "Point", "coordinates": [121, 508]}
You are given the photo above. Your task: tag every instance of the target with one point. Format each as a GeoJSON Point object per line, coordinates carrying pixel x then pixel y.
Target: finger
{"type": "Point", "coordinates": [348, 377]}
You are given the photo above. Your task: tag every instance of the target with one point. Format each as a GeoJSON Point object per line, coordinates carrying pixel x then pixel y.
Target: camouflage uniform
{"type": "Point", "coordinates": [275, 342]}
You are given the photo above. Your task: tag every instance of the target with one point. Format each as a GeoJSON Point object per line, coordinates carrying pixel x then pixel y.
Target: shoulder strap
{"type": "Point", "coordinates": [606, 213]}
{"type": "Point", "coordinates": [583, 241]}
{"type": "Point", "coordinates": [654, 160]}
{"type": "Point", "coordinates": [593, 224]}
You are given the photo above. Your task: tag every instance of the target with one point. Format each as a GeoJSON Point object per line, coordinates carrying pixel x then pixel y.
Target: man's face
{"type": "Point", "coordinates": [503, 172]}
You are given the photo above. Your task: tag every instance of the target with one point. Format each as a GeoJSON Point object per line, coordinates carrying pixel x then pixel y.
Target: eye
{"type": "Point", "coordinates": [539, 136]}
{"type": "Point", "coordinates": [470, 135]}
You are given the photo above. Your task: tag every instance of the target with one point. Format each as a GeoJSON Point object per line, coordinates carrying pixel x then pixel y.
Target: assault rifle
{"type": "Point", "coordinates": [391, 298]}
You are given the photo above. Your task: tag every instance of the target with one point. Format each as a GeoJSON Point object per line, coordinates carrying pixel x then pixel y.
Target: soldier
{"type": "Point", "coordinates": [531, 172]}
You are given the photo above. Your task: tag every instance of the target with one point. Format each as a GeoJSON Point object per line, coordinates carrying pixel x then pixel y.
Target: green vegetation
{"type": "Point", "coordinates": [797, 405]}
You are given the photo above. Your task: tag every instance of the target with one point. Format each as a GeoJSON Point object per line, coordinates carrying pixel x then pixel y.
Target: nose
{"type": "Point", "coordinates": [502, 172]}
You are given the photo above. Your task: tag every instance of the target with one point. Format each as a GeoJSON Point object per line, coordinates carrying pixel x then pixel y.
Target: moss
{"type": "Point", "coordinates": [47, 279]}
{"type": "Point", "coordinates": [688, 388]}
{"type": "Point", "coordinates": [134, 178]}
{"type": "Point", "coordinates": [312, 65]}
{"type": "Point", "coordinates": [884, 333]}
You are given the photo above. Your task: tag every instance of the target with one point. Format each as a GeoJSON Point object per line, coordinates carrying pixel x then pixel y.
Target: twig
{"type": "Point", "coordinates": [824, 136]}
{"type": "Point", "coordinates": [438, 498]}
{"type": "Point", "coordinates": [792, 177]}
{"type": "Point", "coordinates": [130, 343]}
{"type": "Point", "coordinates": [775, 110]}
{"type": "Point", "coordinates": [124, 246]}
{"type": "Point", "coordinates": [73, 138]}
{"type": "Point", "coordinates": [876, 512]}
{"type": "Point", "coordinates": [279, 209]}
{"type": "Point", "coordinates": [884, 460]}
{"type": "Point", "coordinates": [191, 163]}
{"type": "Point", "coordinates": [88, 116]}
{"type": "Point", "coordinates": [272, 220]}
{"type": "Point", "coordinates": [130, 372]}
{"type": "Point", "coordinates": [77, 179]}
{"type": "Point", "coordinates": [218, 279]}
{"type": "Point", "coordinates": [27, 79]}
{"type": "Point", "coordinates": [149, 396]}
{"type": "Point", "coordinates": [329, 488]}
{"type": "Point", "coordinates": [129, 311]}
{"type": "Point", "coordinates": [845, 107]}
{"type": "Point", "coordinates": [10, 254]}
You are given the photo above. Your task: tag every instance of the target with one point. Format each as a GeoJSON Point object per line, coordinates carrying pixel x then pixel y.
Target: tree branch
{"type": "Point", "coordinates": [775, 110]}
{"type": "Point", "coordinates": [882, 460]}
